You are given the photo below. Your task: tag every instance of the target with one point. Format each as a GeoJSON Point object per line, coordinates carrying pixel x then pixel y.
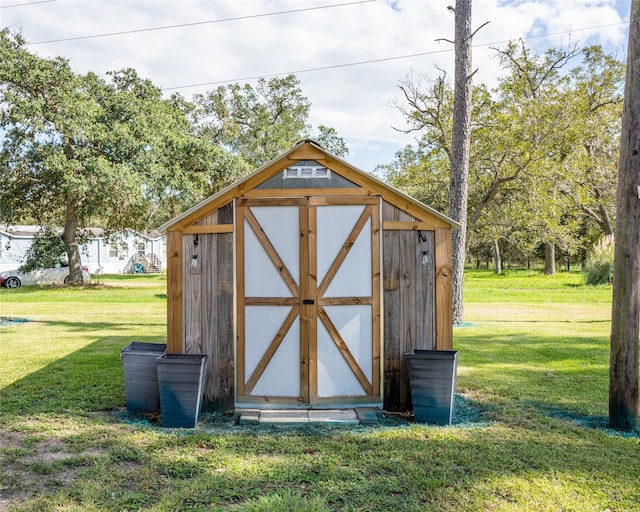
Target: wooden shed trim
{"type": "Point", "coordinates": [208, 229]}
{"type": "Point", "coordinates": [306, 192]}
{"type": "Point", "coordinates": [175, 338]}
{"type": "Point", "coordinates": [408, 226]}
{"type": "Point", "coordinates": [307, 150]}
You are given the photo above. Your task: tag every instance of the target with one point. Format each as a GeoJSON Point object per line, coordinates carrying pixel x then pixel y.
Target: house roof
{"type": "Point", "coordinates": [309, 150]}
{"type": "Point", "coordinates": [30, 231]}
{"type": "Point", "coordinates": [26, 231]}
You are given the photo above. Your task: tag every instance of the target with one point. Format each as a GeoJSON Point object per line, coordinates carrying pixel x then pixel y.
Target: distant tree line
{"type": "Point", "coordinates": [543, 158]}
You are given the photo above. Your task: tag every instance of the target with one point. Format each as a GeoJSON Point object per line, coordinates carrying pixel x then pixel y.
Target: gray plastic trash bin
{"type": "Point", "coordinates": [181, 379]}
{"type": "Point", "coordinates": [432, 379]}
{"type": "Point", "coordinates": [141, 376]}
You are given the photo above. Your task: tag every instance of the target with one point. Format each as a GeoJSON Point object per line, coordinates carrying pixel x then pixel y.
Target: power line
{"type": "Point", "coordinates": [27, 3]}
{"type": "Point", "coordinates": [309, 70]}
{"type": "Point", "coordinates": [373, 61]}
{"type": "Point", "coordinates": [181, 25]}
{"type": "Point", "coordinates": [291, 11]}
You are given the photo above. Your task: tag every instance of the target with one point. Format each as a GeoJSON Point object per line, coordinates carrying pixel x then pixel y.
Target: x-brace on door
{"type": "Point", "coordinates": [308, 300]}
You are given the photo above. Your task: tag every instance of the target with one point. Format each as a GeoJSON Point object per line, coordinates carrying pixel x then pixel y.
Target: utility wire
{"type": "Point", "coordinates": [195, 23]}
{"type": "Point", "coordinates": [27, 3]}
{"type": "Point", "coordinates": [309, 70]}
{"type": "Point", "coordinates": [373, 61]}
{"type": "Point", "coordinates": [306, 70]}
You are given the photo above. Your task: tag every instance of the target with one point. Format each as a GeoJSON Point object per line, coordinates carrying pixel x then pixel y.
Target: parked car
{"type": "Point", "coordinates": [56, 275]}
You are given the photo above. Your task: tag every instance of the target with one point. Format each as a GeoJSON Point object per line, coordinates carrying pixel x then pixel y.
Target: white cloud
{"type": "Point", "coordinates": [353, 99]}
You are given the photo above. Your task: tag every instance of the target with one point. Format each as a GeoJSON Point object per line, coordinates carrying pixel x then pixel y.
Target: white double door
{"type": "Point", "coordinates": [308, 300]}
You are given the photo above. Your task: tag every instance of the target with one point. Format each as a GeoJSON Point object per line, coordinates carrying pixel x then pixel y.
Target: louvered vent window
{"type": "Point", "coordinates": [306, 172]}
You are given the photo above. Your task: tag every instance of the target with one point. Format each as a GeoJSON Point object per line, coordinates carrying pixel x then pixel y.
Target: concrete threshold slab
{"type": "Point", "coordinates": [315, 416]}
{"type": "Point", "coordinates": [284, 416]}
{"type": "Point", "coordinates": [347, 416]}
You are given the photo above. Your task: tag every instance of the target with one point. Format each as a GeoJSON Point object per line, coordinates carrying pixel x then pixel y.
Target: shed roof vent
{"type": "Point", "coordinates": [306, 170]}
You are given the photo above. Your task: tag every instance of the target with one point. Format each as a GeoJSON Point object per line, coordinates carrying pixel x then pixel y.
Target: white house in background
{"type": "Point", "coordinates": [135, 252]}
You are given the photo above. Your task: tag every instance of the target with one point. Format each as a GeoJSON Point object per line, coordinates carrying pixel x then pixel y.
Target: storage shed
{"type": "Point", "coordinates": [306, 283]}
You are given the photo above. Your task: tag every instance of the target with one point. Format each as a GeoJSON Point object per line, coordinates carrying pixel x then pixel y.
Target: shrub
{"type": "Point", "coordinates": [598, 268]}
{"type": "Point", "coordinates": [47, 250]}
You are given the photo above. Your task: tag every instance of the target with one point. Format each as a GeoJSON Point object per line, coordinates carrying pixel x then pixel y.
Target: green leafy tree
{"type": "Point", "coordinates": [597, 110]}
{"type": "Point", "coordinates": [429, 111]}
{"type": "Point", "coordinates": [542, 149]}
{"type": "Point", "coordinates": [329, 139]}
{"type": "Point", "coordinates": [80, 150]}
{"type": "Point", "coordinates": [532, 128]}
{"type": "Point", "coordinates": [256, 124]}
{"type": "Point", "coordinates": [422, 172]}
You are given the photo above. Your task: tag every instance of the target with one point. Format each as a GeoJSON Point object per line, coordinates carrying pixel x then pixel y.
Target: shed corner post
{"type": "Point", "coordinates": [444, 289]}
{"type": "Point", "coordinates": [175, 331]}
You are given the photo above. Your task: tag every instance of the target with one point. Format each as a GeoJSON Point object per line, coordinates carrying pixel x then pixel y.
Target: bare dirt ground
{"type": "Point", "coordinates": [29, 468]}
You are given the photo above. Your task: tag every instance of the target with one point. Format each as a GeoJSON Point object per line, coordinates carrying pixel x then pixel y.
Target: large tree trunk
{"type": "Point", "coordinates": [461, 140]}
{"type": "Point", "coordinates": [70, 241]}
{"type": "Point", "coordinates": [549, 258]}
{"type": "Point", "coordinates": [623, 373]}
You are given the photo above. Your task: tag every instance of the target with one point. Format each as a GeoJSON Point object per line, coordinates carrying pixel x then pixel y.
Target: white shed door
{"type": "Point", "coordinates": [308, 301]}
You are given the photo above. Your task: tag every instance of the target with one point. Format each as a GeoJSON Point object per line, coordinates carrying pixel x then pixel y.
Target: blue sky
{"type": "Point", "coordinates": [349, 56]}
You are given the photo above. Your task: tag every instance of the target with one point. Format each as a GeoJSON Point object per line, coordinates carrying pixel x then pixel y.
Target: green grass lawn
{"type": "Point", "coordinates": [530, 435]}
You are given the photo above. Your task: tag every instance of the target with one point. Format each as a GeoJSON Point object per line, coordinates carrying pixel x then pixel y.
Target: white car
{"type": "Point", "coordinates": [56, 275]}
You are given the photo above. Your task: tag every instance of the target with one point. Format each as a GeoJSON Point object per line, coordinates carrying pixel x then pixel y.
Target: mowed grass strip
{"type": "Point", "coordinates": [67, 355]}
{"type": "Point", "coordinates": [533, 367]}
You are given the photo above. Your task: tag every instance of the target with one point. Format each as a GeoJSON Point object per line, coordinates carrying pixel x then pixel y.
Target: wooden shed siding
{"type": "Point", "coordinates": [219, 391]}
{"type": "Point", "coordinates": [192, 295]}
{"type": "Point", "coordinates": [208, 305]}
{"type": "Point", "coordinates": [425, 295]}
{"type": "Point", "coordinates": [409, 312]}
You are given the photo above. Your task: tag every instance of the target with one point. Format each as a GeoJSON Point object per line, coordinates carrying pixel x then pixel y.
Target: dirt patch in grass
{"type": "Point", "coordinates": [31, 467]}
